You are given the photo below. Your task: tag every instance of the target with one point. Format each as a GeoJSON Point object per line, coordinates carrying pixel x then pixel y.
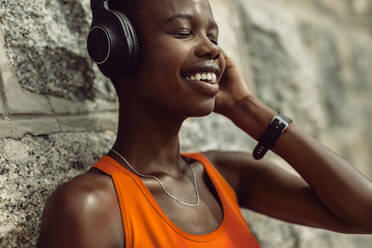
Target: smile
{"type": "Point", "coordinates": [209, 77]}
{"type": "Point", "coordinates": [204, 82]}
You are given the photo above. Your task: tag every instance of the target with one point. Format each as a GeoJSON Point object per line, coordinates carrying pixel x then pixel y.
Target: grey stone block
{"type": "Point", "coordinates": [31, 168]}
{"type": "Point", "coordinates": [18, 99]}
{"type": "Point", "coordinates": [2, 111]}
{"type": "Point", "coordinates": [47, 49]}
{"type": "Point", "coordinates": [21, 101]}
{"type": "Point", "coordinates": [64, 106]}
{"type": "Point", "coordinates": [94, 121]}
{"type": "Point", "coordinates": [278, 64]}
{"type": "Point", "coordinates": [18, 126]}
{"type": "Point", "coordinates": [36, 126]}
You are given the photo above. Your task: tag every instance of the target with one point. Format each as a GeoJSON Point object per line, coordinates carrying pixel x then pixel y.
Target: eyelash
{"type": "Point", "coordinates": [186, 32]}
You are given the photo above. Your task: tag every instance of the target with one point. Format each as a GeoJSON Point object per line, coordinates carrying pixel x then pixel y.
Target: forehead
{"type": "Point", "coordinates": [161, 10]}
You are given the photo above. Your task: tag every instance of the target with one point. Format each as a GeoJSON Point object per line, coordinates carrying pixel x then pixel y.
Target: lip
{"type": "Point", "coordinates": [203, 87]}
{"type": "Point", "coordinates": [204, 67]}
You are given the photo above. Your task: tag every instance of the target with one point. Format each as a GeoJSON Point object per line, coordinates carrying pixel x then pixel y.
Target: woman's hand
{"type": "Point", "coordinates": [233, 87]}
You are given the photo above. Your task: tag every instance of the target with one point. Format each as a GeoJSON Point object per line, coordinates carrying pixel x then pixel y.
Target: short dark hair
{"type": "Point", "coordinates": [131, 9]}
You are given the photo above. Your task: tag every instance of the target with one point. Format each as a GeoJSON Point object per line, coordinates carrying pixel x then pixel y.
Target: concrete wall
{"type": "Point", "coordinates": [311, 59]}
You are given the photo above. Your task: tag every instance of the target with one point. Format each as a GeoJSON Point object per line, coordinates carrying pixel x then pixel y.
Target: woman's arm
{"type": "Point", "coordinates": [331, 184]}
{"type": "Point", "coordinates": [82, 213]}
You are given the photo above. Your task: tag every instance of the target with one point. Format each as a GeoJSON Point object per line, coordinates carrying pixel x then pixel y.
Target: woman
{"type": "Point", "coordinates": [185, 202]}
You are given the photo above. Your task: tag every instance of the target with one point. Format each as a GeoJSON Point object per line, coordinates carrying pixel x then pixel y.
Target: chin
{"type": "Point", "coordinates": [202, 114]}
{"type": "Point", "coordinates": [202, 109]}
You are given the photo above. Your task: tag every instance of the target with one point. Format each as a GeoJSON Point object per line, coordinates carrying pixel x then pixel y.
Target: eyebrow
{"type": "Point", "coordinates": [179, 16]}
{"type": "Point", "coordinates": [188, 17]}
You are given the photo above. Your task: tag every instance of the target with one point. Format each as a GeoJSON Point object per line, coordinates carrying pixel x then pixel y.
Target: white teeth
{"type": "Point", "coordinates": [210, 76]}
{"type": "Point", "coordinates": [214, 77]}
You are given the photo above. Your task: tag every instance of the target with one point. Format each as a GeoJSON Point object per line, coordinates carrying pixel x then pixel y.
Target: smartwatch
{"type": "Point", "coordinates": [277, 126]}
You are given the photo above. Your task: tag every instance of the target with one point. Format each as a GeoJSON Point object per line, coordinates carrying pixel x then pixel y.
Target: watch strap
{"type": "Point", "coordinates": [267, 140]}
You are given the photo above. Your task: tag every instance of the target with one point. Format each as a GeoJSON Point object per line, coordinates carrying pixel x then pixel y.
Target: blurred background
{"type": "Point", "coordinates": [311, 59]}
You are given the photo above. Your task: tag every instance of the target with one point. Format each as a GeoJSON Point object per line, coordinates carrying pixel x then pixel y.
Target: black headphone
{"type": "Point", "coordinates": [112, 42]}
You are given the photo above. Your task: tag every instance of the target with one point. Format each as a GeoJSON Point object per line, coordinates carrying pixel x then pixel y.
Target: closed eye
{"type": "Point", "coordinates": [214, 39]}
{"type": "Point", "coordinates": [185, 33]}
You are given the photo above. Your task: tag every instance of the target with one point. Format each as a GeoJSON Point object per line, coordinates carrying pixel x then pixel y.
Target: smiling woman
{"type": "Point", "coordinates": [167, 66]}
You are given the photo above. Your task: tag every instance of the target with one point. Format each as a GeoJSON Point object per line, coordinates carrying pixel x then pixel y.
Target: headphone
{"type": "Point", "coordinates": [112, 41]}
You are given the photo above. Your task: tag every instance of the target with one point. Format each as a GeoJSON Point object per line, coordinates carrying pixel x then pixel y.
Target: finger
{"type": "Point", "coordinates": [228, 61]}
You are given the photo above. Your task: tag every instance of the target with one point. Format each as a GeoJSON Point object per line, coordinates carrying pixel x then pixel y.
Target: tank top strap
{"type": "Point", "coordinates": [213, 172]}
{"type": "Point", "coordinates": [109, 166]}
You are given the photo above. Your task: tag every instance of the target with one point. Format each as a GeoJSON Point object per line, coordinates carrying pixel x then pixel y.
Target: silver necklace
{"type": "Point", "coordinates": [161, 184]}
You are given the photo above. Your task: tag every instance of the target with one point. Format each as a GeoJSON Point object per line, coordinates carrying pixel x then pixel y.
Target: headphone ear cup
{"type": "Point", "coordinates": [130, 38]}
{"type": "Point", "coordinates": [112, 44]}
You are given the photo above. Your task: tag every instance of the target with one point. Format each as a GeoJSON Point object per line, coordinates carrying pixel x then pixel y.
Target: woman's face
{"type": "Point", "coordinates": [178, 39]}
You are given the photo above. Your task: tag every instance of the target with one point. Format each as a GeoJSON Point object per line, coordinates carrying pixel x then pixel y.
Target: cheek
{"type": "Point", "coordinates": [169, 51]}
{"type": "Point", "coordinates": [163, 59]}
{"type": "Point", "coordinates": [157, 75]}
{"type": "Point", "coordinates": [160, 81]}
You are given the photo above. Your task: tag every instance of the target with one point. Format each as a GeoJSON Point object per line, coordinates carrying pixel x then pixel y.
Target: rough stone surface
{"type": "Point", "coordinates": [30, 125]}
{"type": "Point", "coordinates": [1, 106]}
{"type": "Point", "coordinates": [63, 106]}
{"type": "Point", "coordinates": [31, 168]}
{"type": "Point", "coordinates": [45, 42]}
{"type": "Point", "coordinates": [21, 101]}
{"type": "Point", "coordinates": [265, 229]}
{"type": "Point", "coordinates": [310, 59]}
{"type": "Point", "coordinates": [26, 112]}
{"type": "Point", "coordinates": [18, 126]}
{"type": "Point", "coordinates": [100, 121]}
{"type": "Point", "coordinates": [17, 99]}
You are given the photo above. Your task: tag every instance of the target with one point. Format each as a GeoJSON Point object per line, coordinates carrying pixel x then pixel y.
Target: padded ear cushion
{"type": "Point", "coordinates": [112, 43]}
{"type": "Point", "coordinates": [130, 36]}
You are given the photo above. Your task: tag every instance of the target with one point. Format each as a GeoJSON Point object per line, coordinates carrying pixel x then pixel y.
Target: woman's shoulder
{"type": "Point", "coordinates": [84, 192]}
{"type": "Point", "coordinates": [84, 209]}
{"type": "Point", "coordinates": [231, 164]}
{"type": "Point", "coordinates": [219, 160]}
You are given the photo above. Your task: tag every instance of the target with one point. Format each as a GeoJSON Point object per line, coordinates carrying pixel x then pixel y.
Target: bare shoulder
{"type": "Point", "coordinates": [235, 165]}
{"type": "Point", "coordinates": [82, 213]}
{"type": "Point", "coordinates": [226, 164]}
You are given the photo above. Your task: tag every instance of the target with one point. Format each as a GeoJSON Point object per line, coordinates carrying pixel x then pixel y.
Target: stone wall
{"type": "Point", "coordinates": [311, 59]}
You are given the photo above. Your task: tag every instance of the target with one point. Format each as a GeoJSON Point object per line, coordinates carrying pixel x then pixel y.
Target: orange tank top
{"type": "Point", "coordinates": [147, 226]}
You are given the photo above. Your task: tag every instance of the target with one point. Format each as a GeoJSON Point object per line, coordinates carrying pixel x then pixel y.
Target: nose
{"type": "Point", "coordinates": [207, 49]}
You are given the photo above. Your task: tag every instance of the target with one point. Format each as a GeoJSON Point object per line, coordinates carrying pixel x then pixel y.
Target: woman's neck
{"type": "Point", "coordinates": [148, 139]}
